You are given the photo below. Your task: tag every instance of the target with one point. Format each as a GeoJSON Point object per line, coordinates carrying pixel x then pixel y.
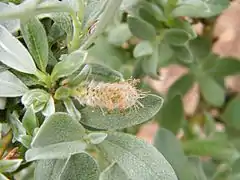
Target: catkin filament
{"type": "Point", "coordinates": [117, 95]}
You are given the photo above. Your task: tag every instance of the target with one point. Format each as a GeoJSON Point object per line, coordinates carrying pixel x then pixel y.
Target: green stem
{"type": "Point", "coordinates": [109, 9]}
{"type": "Point", "coordinates": [45, 78]}
{"type": "Point", "coordinates": [20, 10]}
{"type": "Point", "coordinates": [53, 7]}
{"type": "Point", "coordinates": [59, 7]}
{"type": "Point", "coordinates": [81, 11]}
{"type": "Point", "coordinates": [75, 43]}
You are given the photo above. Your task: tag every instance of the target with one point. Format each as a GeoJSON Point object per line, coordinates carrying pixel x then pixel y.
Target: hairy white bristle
{"type": "Point", "coordinates": [117, 95]}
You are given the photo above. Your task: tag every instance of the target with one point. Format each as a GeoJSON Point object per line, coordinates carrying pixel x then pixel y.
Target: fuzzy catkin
{"type": "Point", "coordinates": [117, 95]}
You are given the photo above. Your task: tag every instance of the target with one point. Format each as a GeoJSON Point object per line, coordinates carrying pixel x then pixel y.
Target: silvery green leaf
{"type": "Point", "coordinates": [14, 54]}
{"type": "Point", "coordinates": [3, 102]}
{"type": "Point", "coordinates": [9, 165]}
{"type": "Point", "coordinates": [29, 121]}
{"type": "Point", "coordinates": [99, 72]}
{"type": "Point", "coordinates": [52, 6]}
{"type": "Point", "coordinates": [10, 25]}
{"type": "Point", "coordinates": [49, 169]}
{"type": "Point", "coordinates": [196, 8]}
{"type": "Point", "coordinates": [71, 109]}
{"type": "Point", "coordinates": [74, 4]}
{"type": "Point", "coordinates": [28, 79]}
{"type": "Point", "coordinates": [58, 137]}
{"type": "Point", "coordinates": [119, 34]}
{"type": "Point", "coordinates": [96, 137]}
{"type": "Point", "coordinates": [19, 11]}
{"type": "Point", "coordinates": [3, 177]}
{"type": "Point", "coordinates": [49, 108]}
{"type": "Point", "coordinates": [17, 127]}
{"type": "Point", "coordinates": [129, 4]}
{"type": "Point", "coordinates": [62, 93]}
{"type": "Point", "coordinates": [25, 140]}
{"type": "Point", "coordinates": [144, 48]}
{"type": "Point", "coordinates": [148, 31]}
{"type": "Point", "coordinates": [92, 11]}
{"type": "Point", "coordinates": [3, 67]}
{"type": "Point", "coordinates": [93, 117]}
{"type": "Point", "coordinates": [79, 76]}
{"type": "Point", "coordinates": [138, 159]}
{"type": "Point", "coordinates": [58, 128]}
{"type": "Point", "coordinates": [111, 7]}
{"type": "Point", "coordinates": [35, 37]}
{"type": "Point", "coordinates": [37, 98]}
{"type": "Point", "coordinates": [167, 143]}
{"type": "Point", "coordinates": [210, 86]}
{"type": "Point", "coordinates": [69, 64]}
{"type": "Point", "coordinates": [10, 85]}
{"type": "Point", "coordinates": [64, 21]}
{"type": "Point", "coordinates": [114, 172]}
{"type": "Point", "coordinates": [80, 166]}
{"type": "Point", "coordinates": [55, 151]}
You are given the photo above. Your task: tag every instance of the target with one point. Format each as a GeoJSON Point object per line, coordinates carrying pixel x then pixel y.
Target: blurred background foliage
{"type": "Point", "coordinates": [190, 57]}
{"type": "Point", "coordinates": [188, 52]}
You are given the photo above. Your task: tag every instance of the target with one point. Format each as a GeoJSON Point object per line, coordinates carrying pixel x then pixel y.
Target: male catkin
{"type": "Point", "coordinates": [117, 95]}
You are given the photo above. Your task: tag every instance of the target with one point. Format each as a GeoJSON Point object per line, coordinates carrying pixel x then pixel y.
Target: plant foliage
{"type": "Point", "coordinates": [50, 53]}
